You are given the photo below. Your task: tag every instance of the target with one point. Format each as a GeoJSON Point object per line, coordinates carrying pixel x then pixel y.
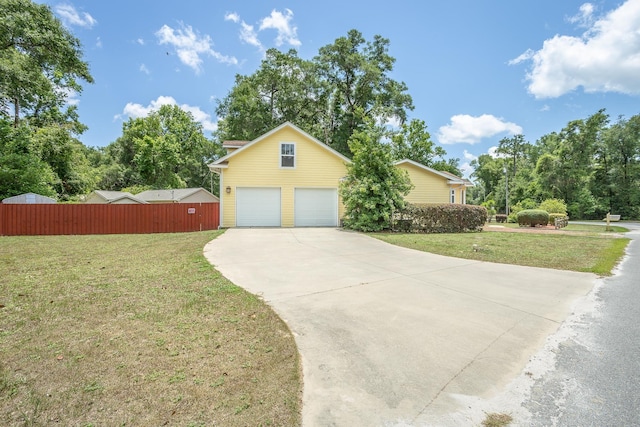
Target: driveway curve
{"type": "Point", "coordinates": [390, 336]}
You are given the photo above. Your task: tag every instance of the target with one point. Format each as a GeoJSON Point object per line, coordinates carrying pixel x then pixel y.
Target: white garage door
{"type": "Point", "coordinates": [316, 207]}
{"type": "Point", "coordinates": [257, 207]}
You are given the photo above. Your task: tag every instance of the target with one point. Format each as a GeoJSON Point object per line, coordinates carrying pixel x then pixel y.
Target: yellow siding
{"type": "Point", "coordinates": [259, 166]}
{"type": "Point", "coordinates": [428, 187]}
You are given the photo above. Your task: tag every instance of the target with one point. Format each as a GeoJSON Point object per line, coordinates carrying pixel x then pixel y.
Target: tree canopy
{"type": "Point", "coordinates": [166, 149]}
{"type": "Point", "coordinates": [374, 188]}
{"type": "Point", "coordinates": [40, 60]}
{"type": "Point", "coordinates": [320, 96]}
{"type": "Point", "coordinates": [591, 165]}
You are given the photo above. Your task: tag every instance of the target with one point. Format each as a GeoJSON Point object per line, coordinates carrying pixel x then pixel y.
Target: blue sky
{"type": "Point", "coordinates": [477, 70]}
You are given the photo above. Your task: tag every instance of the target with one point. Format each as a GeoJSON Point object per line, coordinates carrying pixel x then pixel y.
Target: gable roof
{"type": "Point", "coordinates": [222, 162]}
{"type": "Point", "coordinates": [114, 196]}
{"type": "Point", "coordinates": [170, 195]}
{"type": "Point", "coordinates": [234, 144]}
{"type": "Point", "coordinates": [449, 176]}
{"type": "Point", "coordinates": [29, 198]}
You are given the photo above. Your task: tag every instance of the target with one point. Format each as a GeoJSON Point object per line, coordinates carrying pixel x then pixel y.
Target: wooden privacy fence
{"type": "Point", "coordinates": [23, 219]}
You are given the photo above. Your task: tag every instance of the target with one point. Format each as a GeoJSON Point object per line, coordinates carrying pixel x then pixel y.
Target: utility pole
{"type": "Point", "coordinates": [506, 191]}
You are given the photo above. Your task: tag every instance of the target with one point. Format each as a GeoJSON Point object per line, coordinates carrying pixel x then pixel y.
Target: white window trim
{"type": "Point", "coordinates": [453, 196]}
{"type": "Point", "coordinates": [295, 154]}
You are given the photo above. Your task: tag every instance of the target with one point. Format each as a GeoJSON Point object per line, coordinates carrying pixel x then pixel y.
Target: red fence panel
{"type": "Point", "coordinates": [52, 219]}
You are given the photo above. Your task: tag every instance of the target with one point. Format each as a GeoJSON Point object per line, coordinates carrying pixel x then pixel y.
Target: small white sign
{"type": "Point", "coordinates": [191, 210]}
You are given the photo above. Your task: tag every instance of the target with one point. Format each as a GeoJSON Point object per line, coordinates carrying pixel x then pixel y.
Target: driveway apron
{"type": "Point", "coordinates": [393, 336]}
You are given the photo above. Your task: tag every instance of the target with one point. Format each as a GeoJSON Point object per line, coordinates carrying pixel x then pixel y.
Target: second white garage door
{"type": "Point", "coordinates": [257, 207]}
{"type": "Point", "coordinates": [316, 207]}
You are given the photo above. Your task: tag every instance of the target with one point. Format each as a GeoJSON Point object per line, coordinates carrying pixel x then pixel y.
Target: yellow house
{"type": "Point", "coordinates": [433, 186]}
{"type": "Point", "coordinates": [284, 178]}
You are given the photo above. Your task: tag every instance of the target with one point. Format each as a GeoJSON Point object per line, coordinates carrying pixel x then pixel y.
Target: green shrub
{"type": "Point", "coordinates": [553, 216]}
{"type": "Point", "coordinates": [501, 218]}
{"type": "Point", "coordinates": [445, 218]}
{"type": "Point", "coordinates": [533, 217]}
{"type": "Point", "coordinates": [554, 206]}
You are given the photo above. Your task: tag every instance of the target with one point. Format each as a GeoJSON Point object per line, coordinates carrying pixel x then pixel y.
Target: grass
{"type": "Point", "coordinates": [137, 330]}
{"type": "Point", "coordinates": [587, 250]}
{"type": "Point", "coordinates": [497, 420]}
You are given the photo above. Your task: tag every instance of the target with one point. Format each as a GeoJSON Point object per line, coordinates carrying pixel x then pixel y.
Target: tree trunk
{"type": "Point", "coordinates": [16, 112]}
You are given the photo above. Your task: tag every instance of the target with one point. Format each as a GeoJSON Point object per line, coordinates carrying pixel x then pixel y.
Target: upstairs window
{"type": "Point", "coordinates": [287, 155]}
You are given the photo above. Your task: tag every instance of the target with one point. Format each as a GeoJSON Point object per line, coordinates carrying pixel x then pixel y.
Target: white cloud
{"type": "Point", "coordinates": [190, 46]}
{"type": "Point", "coordinates": [98, 42]}
{"type": "Point", "coordinates": [134, 111]}
{"type": "Point", "coordinates": [493, 152]}
{"type": "Point", "coordinates": [585, 17]}
{"type": "Point", "coordinates": [140, 42]}
{"type": "Point", "coordinates": [466, 168]}
{"type": "Point", "coordinates": [606, 58]}
{"type": "Point", "coordinates": [249, 35]}
{"type": "Point", "coordinates": [281, 22]}
{"type": "Point", "coordinates": [287, 33]}
{"type": "Point", "coordinates": [528, 54]}
{"type": "Point", "coordinates": [468, 156]}
{"type": "Point", "coordinates": [144, 69]}
{"type": "Point", "coordinates": [469, 129]}
{"type": "Point", "coordinates": [232, 16]}
{"type": "Point", "coordinates": [72, 96]}
{"type": "Point", "coordinates": [71, 16]}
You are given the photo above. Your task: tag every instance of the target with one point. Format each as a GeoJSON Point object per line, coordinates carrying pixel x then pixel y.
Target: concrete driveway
{"type": "Point", "coordinates": [391, 336]}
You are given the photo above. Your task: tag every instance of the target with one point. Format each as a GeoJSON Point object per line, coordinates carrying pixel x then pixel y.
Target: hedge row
{"type": "Point", "coordinates": [533, 217]}
{"type": "Point", "coordinates": [553, 216]}
{"type": "Point", "coordinates": [445, 218]}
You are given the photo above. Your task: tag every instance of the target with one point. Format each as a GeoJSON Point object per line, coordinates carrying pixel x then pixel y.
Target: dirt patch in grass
{"type": "Point", "coordinates": [137, 330]}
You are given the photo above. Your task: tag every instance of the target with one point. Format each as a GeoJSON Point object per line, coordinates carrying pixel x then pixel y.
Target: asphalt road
{"type": "Point", "coordinates": [596, 377]}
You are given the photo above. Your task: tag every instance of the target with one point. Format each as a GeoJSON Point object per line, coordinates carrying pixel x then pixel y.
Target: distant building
{"type": "Point", "coordinates": [179, 195]}
{"type": "Point", "coordinates": [30, 199]}
{"type": "Point", "coordinates": [103, 197]}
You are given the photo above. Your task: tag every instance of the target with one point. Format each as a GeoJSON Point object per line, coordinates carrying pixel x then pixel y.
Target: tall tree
{"type": "Point", "coordinates": [22, 170]}
{"type": "Point", "coordinates": [514, 148]}
{"type": "Point", "coordinates": [618, 168]}
{"type": "Point", "coordinates": [373, 188]}
{"type": "Point", "coordinates": [413, 142]}
{"type": "Point", "coordinates": [40, 60]}
{"type": "Point", "coordinates": [488, 170]}
{"type": "Point", "coordinates": [357, 76]}
{"type": "Point", "coordinates": [284, 88]}
{"type": "Point", "coordinates": [166, 149]}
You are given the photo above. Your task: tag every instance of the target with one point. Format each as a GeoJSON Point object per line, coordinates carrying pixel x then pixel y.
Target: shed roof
{"type": "Point", "coordinates": [114, 196]}
{"type": "Point", "coordinates": [171, 195]}
{"type": "Point", "coordinates": [29, 198]}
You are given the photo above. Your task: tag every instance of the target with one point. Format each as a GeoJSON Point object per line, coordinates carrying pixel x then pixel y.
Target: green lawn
{"type": "Point", "coordinates": [137, 330]}
{"type": "Point", "coordinates": [582, 248]}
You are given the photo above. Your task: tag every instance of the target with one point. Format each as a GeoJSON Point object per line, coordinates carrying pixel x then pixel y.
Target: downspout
{"type": "Point", "coordinates": [222, 193]}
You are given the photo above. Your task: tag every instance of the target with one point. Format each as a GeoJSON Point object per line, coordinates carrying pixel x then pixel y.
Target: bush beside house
{"type": "Point", "coordinates": [440, 218]}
